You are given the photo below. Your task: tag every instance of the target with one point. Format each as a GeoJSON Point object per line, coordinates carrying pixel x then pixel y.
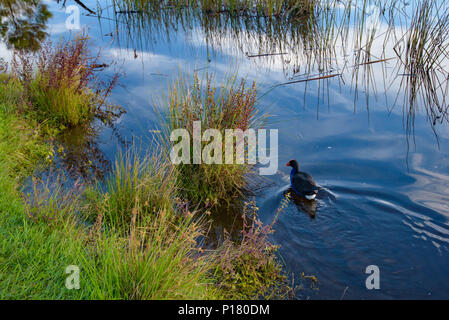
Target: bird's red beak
{"type": "Point", "coordinates": [288, 164]}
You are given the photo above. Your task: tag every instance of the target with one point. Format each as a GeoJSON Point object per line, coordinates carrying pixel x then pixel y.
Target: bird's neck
{"type": "Point", "coordinates": [293, 172]}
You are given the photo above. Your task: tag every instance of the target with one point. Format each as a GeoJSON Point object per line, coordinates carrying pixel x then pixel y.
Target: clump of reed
{"type": "Point", "coordinates": [158, 258]}
{"type": "Point", "coordinates": [61, 86]}
{"type": "Point", "coordinates": [147, 242]}
{"type": "Point", "coordinates": [229, 106]}
{"type": "Point", "coordinates": [267, 8]}
{"type": "Point", "coordinates": [136, 184]}
{"type": "Point", "coordinates": [260, 8]}
{"type": "Point", "coordinates": [423, 53]}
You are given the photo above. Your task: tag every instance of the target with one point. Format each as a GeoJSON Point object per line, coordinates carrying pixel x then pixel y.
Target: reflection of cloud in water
{"type": "Point", "coordinates": [431, 189]}
{"type": "Point", "coordinates": [5, 53]}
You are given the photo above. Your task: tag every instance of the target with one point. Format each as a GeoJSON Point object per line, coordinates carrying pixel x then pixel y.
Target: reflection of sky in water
{"type": "Point", "coordinates": [391, 200]}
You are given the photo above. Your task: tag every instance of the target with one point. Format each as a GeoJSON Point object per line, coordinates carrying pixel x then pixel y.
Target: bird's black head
{"type": "Point", "coordinates": [294, 164]}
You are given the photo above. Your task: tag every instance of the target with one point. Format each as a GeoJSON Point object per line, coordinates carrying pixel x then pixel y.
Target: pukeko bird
{"type": "Point", "coordinates": [302, 183]}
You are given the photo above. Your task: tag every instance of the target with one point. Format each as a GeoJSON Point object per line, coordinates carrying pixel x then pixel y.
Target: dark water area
{"type": "Point", "coordinates": [385, 196]}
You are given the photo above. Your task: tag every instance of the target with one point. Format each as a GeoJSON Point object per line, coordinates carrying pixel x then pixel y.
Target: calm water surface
{"type": "Point", "coordinates": [385, 197]}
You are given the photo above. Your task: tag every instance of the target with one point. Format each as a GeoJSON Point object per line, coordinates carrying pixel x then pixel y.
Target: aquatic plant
{"type": "Point", "coordinates": [423, 53]}
{"type": "Point", "coordinates": [145, 184]}
{"type": "Point", "coordinates": [61, 86]}
{"type": "Point", "coordinates": [140, 23]}
{"type": "Point", "coordinates": [229, 106]}
{"type": "Point", "coordinates": [268, 8]}
{"type": "Point", "coordinates": [260, 8]}
{"type": "Point", "coordinates": [249, 268]}
{"type": "Point", "coordinates": [159, 259]}
{"type": "Point", "coordinates": [148, 242]}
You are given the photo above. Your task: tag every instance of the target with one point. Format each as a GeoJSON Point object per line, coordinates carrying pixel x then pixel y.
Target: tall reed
{"type": "Point", "coordinates": [158, 259]}
{"type": "Point", "coordinates": [423, 54]}
{"type": "Point", "coordinates": [61, 85]}
{"type": "Point", "coordinates": [144, 184]}
{"type": "Point", "coordinates": [232, 105]}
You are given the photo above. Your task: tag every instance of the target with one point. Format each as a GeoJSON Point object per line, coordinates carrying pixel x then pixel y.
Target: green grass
{"type": "Point", "coordinates": [21, 144]}
{"type": "Point", "coordinates": [40, 237]}
{"type": "Point", "coordinates": [144, 183]}
{"type": "Point", "coordinates": [132, 237]}
{"type": "Point", "coordinates": [158, 258]}
{"type": "Point", "coordinates": [33, 255]}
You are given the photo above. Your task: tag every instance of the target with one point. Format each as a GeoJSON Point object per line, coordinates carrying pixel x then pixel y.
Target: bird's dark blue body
{"type": "Point", "coordinates": [292, 174]}
{"type": "Point", "coordinates": [302, 183]}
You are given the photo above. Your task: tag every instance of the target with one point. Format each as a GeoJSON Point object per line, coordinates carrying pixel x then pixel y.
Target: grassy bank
{"type": "Point", "coordinates": [32, 253]}
{"type": "Point", "coordinates": [156, 254]}
{"type": "Point", "coordinates": [134, 236]}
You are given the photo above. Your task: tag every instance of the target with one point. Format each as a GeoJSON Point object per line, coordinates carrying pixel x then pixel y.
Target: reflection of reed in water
{"type": "Point", "coordinates": [312, 44]}
{"type": "Point", "coordinates": [352, 42]}
{"type": "Point", "coordinates": [423, 55]}
{"type": "Point", "coordinates": [140, 24]}
{"type": "Point", "coordinates": [80, 154]}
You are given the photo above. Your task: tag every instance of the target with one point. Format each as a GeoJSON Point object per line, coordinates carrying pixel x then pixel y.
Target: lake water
{"type": "Point", "coordinates": [385, 197]}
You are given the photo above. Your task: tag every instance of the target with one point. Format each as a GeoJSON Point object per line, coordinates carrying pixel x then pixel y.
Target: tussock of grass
{"type": "Point", "coordinates": [230, 106]}
{"type": "Point", "coordinates": [61, 86]}
{"type": "Point", "coordinates": [157, 260]}
{"type": "Point", "coordinates": [146, 184]}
